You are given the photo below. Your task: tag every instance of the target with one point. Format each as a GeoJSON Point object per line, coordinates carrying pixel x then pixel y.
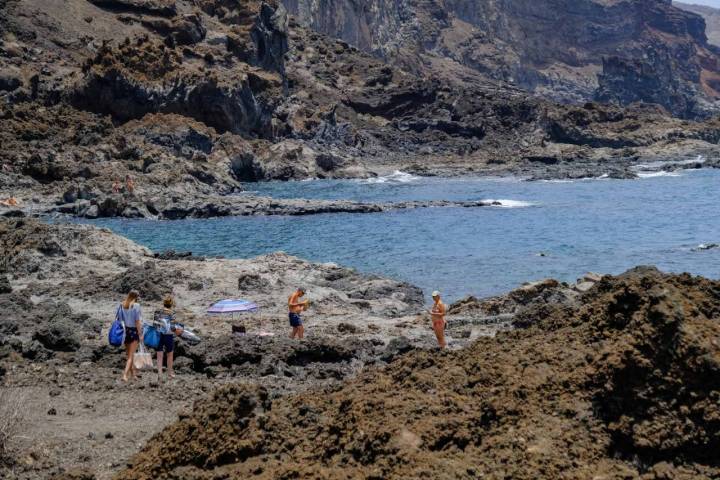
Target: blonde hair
{"type": "Point", "coordinates": [168, 302]}
{"type": "Point", "coordinates": [131, 298]}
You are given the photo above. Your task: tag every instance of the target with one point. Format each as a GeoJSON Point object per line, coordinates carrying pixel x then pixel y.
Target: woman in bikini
{"type": "Point", "coordinates": [437, 313]}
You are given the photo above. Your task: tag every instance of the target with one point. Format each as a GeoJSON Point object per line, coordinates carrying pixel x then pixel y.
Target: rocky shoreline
{"type": "Point", "coordinates": [59, 284]}
{"type": "Point", "coordinates": [194, 100]}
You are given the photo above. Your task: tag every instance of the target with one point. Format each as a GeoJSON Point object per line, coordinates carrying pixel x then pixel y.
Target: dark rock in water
{"type": "Point", "coordinates": [706, 246]}
{"type": "Point", "coordinates": [173, 255]}
{"type": "Point", "coordinates": [382, 288]}
{"type": "Point", "coordinates": [147, 279]}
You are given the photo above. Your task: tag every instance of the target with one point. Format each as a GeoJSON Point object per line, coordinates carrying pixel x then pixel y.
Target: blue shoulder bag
{"type": "Point", "coordinates": [116, 334]}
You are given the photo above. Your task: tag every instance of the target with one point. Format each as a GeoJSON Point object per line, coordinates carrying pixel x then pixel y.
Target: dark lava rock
{"type": "Point", "coordinates": [14, 214]}
{"type": "Point", "coordinates": [10, 80]}
{"type": "Point", "coordinates": [58, 328]}
{"type": "Point", "coordinates": [397, 347]}
{"type": "Point", "coordinates": [152, 283]}
{"type": "Point", "coordinates": [75, 473]}
{"type": "Point", "coordinates": [5, 286]}
{"type": "Point", "coordinates": [347, 328]}
{"type": "Point", "coordinates": [173, 255]}
{"type": "Point", "coordinates": [252, 281]}
{"type": "Point", "coordinates": [631, 377]}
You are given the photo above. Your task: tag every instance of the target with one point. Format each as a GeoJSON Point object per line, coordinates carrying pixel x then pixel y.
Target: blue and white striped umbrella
{"type": "Point", "coordinates": [233, 305]}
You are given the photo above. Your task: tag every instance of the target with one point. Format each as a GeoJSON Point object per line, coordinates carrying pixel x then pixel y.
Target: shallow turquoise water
{"type": "Point", "coordinates": [595, 225]}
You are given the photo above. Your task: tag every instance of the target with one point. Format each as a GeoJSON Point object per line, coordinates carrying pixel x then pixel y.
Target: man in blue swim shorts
{"type": "Point", "coordinates": [295, 307]}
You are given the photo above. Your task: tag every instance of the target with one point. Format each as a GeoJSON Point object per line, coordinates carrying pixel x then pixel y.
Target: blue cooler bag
{"type": "Point", "coordinates": [116, 334]}
{"type": "Point", "coordinates": [151, 336]}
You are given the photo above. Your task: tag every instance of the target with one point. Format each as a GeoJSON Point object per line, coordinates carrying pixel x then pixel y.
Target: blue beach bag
{"type": "Point", "coordinates": [116, 334]}
{"type": "Point", "coordinates": [151, 337]}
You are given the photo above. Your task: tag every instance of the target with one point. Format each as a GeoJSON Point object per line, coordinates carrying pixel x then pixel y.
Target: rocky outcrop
{"type": "Point", "coordinates": [553, 48]}
{"type": "Point", "coordinates": [190, 104]}
{"type": "Point", "coordinates": [226, 102]}
{"type": "Point", "coordinates": [628, 377]}
{"type": "Point", "coordinates": [710, 15]}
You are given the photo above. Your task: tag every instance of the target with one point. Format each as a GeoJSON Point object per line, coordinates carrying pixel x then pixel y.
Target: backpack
{"type": "Point", "coordinates": [116, 334]}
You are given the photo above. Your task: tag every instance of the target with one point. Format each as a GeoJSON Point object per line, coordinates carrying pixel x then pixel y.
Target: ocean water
{"type": "Point", "coordinates": [558, 229]}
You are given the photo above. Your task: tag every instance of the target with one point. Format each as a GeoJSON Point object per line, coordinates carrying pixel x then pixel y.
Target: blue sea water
{"type": "Point", "coordinates": [601, 225]}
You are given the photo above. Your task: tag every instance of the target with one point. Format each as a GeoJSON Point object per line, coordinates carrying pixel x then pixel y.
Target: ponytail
{"type": "Point", "coordinates": [131, 298]}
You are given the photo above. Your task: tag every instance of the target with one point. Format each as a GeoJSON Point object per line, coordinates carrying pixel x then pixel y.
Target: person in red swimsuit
{"type": "Point", "coordinates": [437, 314]}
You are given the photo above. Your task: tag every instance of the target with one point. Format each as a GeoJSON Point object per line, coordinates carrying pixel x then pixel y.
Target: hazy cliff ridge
{"type": "Point", "coordinates": [567, 50]}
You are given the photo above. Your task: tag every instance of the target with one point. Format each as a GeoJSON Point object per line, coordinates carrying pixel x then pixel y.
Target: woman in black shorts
{"type": "Point", "coordinates": [131, 315]}
{"type": "Point", "coordinates": [165, 322]}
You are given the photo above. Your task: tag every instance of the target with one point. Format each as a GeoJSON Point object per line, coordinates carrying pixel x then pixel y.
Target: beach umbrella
{"type": "Point", "coordinates": [232, 306]}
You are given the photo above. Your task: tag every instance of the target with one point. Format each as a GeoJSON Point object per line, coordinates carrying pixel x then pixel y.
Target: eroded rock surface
{"type": "Point", "coordinates": [624, 383]}
{"type": "Point", "coordinates": [191, 99]}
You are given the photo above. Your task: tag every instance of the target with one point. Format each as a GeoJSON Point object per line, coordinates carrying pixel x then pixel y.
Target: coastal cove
{"type": "Point", "coordinates": [558, 229]}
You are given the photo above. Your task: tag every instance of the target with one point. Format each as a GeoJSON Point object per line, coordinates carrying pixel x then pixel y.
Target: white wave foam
{"type": "Point", "coordinates": [396, 177]}
{"type": "Point", "coordinates": [503, 203]}
{"type": "Point", "coordinates": [658, 174]}
{"type": "Point", "coordinates": [653, 166]}
{"type": "Point", "coordinates": [604, 176]}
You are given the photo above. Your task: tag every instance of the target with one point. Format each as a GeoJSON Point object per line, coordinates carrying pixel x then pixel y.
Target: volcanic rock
{"type": "Point", "coordinates": [596, 378]}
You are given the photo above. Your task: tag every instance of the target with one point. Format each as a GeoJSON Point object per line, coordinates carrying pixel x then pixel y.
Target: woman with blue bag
{"type": "Point", "coordinates": [164, 322]}
{"type": "Point", "coordinates": [131, 315]}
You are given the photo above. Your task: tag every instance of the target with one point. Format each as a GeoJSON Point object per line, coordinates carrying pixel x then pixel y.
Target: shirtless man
{"type": "Point", "coordinates": [295, 307]}
{"type": "Point", "coordinates": [437, 313]}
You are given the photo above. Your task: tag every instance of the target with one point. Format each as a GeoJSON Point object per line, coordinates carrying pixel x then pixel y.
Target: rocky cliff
{"type": "Point", "coordinates": [567, 50]}
{"type": "Point", "coordinates": [711, 17]}
{"type": "Point", "coordinates": [192, 98]}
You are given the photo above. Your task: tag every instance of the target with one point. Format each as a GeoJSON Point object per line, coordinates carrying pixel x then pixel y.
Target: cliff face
{"type": "Point", "coordinates": [555, 48]}
{"type": "Point", "coordinates": [711, 17]}
{"type": "Point", "coordinates": [196, 96]}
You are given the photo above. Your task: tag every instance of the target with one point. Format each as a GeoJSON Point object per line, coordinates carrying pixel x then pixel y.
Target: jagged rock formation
{"type": "Point", "coordinates": [555, 48]}
{"type": "Point", "coordinates": [623, 384]}
{"type": "Point", "coordinates": [712, 20]}
{"type": "Point", "coordinates": [193, 98]}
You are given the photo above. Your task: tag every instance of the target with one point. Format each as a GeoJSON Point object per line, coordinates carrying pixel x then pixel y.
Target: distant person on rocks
{"type": "Point", "coordinates": [129, 184]}
{"type": "Point", "coordinates": [116, 186]}
{"type": "Point", "coordinates": [132, 317]}
{"type": "Point", "coordinates": [164, 320]}
{"type": "Point", "coordinates": [437, 313]}
{"type": "Point", "coordinates": [295, 307]}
